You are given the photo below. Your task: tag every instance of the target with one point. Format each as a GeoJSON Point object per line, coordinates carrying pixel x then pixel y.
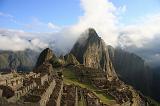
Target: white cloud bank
{"type": "Point", "coordinates": [101, 15]}
{"type": "Point", "coordinates": [18, 40]}
{"type": "Point", "coordinates": [142, 37]}
{"type": "Point", "coordinates": [142, 32]}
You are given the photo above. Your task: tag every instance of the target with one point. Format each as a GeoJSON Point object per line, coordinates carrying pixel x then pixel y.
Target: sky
{"type": "Point", "coordinates": [59, 12]}
{"type": "Point", "coordinates": [133, 25]}
{"type": "Point", "coordinates": [65, 12]}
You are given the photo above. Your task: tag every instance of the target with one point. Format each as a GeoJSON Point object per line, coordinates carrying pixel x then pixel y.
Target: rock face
{"type": "Point", "coordinates": [44, 68]}
{"type": "Point", "coordinates": [45, 62]}
{"type": "Point", "coordinates": [71, 59]}
{"type": "Point", "coordinates": [45, 56]}
{"type": "Point", "coordinates": [131, 69]}
{"type": "Point", "coordinates": [92, 52]}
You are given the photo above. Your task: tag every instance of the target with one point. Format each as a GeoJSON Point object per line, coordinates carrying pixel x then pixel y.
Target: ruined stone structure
{"type": "Point", "coordinates": [13, 80]}
{"type": "Point", "coordinates": [70, 96]}
{"type": "Point", "coordinates": [55, 98]}
{"type": "Point", "coordinates": [17, 84]}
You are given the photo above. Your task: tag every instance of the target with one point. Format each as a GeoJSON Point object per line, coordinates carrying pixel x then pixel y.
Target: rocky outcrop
{"type": "Point", "coordinates": [46, 62]}
{"type": "Point", "coordinates": [44, 68]}
{"type": "Point", "coordinates": [45, 56]}
{"type": "Point", "coordinates": [92, 52]}
{"type": "Point", "coordinates": [70, 59]}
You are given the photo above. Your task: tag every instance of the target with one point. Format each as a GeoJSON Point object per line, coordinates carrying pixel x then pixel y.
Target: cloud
{"type": "Point", "coordinates": [35, 25]}
{"type": "Point", "coordinates": [19, 40]}
{"type": "Point", "coordinates": [6, 15]}
{"type": "Point", "coordinates": [101, 15]}
{"type": "Point", "coordinates": [143, 38]}
{"type": "Point", "coordinates": [39, 26]}
{"type": "Point", "coordinates": [141, 33]}
{"type": "Point", "coordinates": [122, 9]}
{"type": "Point", "coordinates": [53, 26]}
{"type": "Point", "coordinates": [13, 43]}
{"type": "Point", "coordinates": [144, 30]}
{"type": "Point", "coordinates": [38, 43]}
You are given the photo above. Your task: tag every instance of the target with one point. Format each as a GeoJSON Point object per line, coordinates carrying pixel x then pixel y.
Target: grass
{"type": "Point", "coordinates": [70, 78]}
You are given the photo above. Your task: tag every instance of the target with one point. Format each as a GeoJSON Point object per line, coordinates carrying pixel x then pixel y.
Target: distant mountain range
{"type": "Point", "coordinates": [19, 60]}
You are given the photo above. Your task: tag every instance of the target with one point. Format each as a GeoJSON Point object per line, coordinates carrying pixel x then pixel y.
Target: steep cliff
{"type": "Point", "coordinates": [131, 69]}
{"type": "Point", "coordinates": [155, 83]}
{"type": "Point", "coordinates": [90, 50]}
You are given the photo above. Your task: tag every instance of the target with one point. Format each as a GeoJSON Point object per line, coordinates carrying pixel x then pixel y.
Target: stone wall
{"type": "Point", "coordinates": [14, 80]}
{"type": "Point", "coordinates": [43, 101]}
{"type": "Point", "coordinates": [45, 97]}
{"type": "Point", "coordinates": [41, 80]}
{"type": "Point", "coordinates": [21, 92]}
{"type": "Point", "coordinates": [70, 96]}
{"type": "Point", "coordinates": [55, 99]}
{"type": "Point", "coordinates": [76, 98]}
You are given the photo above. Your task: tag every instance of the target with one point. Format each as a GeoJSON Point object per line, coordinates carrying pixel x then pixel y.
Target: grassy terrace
{"type": "Point", "coordinates": [70, 78]}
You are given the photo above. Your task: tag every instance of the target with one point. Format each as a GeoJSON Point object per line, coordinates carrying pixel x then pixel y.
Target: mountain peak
{"type": "Point", "coordinates": [92, 53]}
{"type": "Point", "coordinates": [46, 55]}
{"type": "Point", "coordinates": [92, 34]}
{"type": "Point", "coordinates": [91, 30]}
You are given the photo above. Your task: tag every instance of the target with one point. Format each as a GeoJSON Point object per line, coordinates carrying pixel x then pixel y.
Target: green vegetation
{"type": "Point", "coordinates": [70, 78]}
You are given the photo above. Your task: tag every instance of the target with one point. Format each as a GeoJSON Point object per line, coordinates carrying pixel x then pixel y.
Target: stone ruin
{"type": "Point", "coordinates": [32, 89]}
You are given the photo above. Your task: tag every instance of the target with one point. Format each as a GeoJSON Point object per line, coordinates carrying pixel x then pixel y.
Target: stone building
{"type": "Point", "coordinates": [13, 80]}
